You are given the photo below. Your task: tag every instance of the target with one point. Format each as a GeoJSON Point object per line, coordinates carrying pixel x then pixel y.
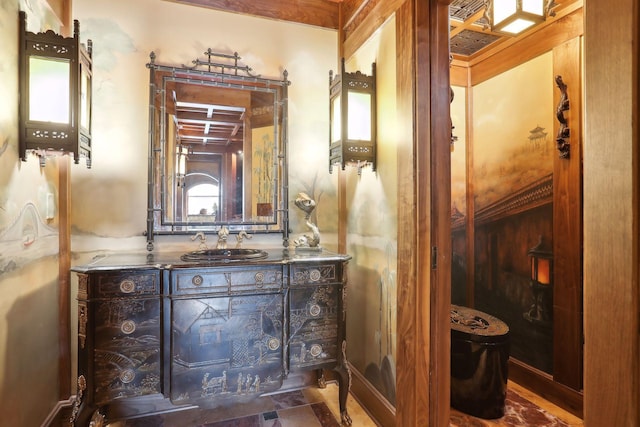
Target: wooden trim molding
{"type": "Point", "coordinates": [493, 63]}
{"type": "Point", "coordinates": [423, 359]}
{"type": "Point", "coordinates": [543, 385]}
{"type": "Point", "coordinates": [318, 13]}
{"type": "Point", "coordinates": [371, 400]}
{"type": "Point", "coordinates": [64, 277]}
{"type": "Point", "coordinates": [367, 21]}
{"type": "Point", "coordinates": [411, 402]}
{"type": "Point", "coordinates": [439, 203]}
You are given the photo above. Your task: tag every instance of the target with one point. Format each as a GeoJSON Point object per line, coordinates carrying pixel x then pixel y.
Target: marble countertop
{"type": "Point", "coordinates": [167, 260]}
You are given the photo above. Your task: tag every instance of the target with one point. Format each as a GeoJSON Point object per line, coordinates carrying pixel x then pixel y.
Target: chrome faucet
{"type": "Point", "coordinates": [223, 234]}
{"type": "Point", "coordinates": [240, 237]}
{"type": "Point", "coordinates": [203, 239]}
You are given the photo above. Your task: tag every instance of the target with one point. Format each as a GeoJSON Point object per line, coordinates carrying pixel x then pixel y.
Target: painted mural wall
{"type": "Point", "coordinates": [372, 229]}
{"type": "Point", "coordinates": [108, 201]}
{"type": "Point", "coordinates": [511, 179]}
{"type": "Point", "coordinates": [459, 195]}
{"type": "Point", "coordinates": [123, 34]}
{"type": "Point", "coordinates": [28, 246]}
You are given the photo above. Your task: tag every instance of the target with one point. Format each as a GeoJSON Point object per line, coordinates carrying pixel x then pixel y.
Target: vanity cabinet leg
{"type": "Point", "coordinates": [344, 384]}
{"type": "Point", "coordinates": [322, 381]}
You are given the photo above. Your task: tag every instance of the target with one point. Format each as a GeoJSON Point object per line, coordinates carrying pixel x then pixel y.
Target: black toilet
{"type": "Point", "coordinates": [479, 356]}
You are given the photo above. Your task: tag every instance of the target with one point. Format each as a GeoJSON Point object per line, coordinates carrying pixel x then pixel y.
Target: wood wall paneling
{"type": "Point", "coordinates": [611, 215]}
{"type": "Point", "coordinates": [567, 224]}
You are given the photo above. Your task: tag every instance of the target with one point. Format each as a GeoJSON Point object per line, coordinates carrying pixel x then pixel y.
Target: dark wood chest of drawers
{"type": "Point", "coordinates": [161, 338]}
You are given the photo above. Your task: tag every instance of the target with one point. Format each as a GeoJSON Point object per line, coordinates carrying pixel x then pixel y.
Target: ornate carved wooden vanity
{"type": "Point", "coordinates": [156, 334]}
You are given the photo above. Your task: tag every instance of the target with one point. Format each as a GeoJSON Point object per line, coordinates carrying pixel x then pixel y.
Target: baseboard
{"type": "Point", "coordinates": [543, 385]}
{"type": "Point", "coordinates": [60, 414]}
{"type": "Point", "coordinates": [371, 400]}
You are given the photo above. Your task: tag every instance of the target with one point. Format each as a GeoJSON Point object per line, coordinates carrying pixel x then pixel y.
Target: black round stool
{"type": "Point", "coordinates": [479, 356]}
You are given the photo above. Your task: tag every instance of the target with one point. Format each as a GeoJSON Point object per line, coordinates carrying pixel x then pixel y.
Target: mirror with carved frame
{"type": "Point", "coordinates": [217, 148]}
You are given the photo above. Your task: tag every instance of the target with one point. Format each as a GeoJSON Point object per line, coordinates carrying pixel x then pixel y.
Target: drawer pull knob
{"type": "Point", "coordinates": [197, 280]}
{"type": "Point", "coordinates": [128, 327]}
{"type": "Point", "coordinates": [315, 310]}
{"type": "Point", "coordinates": [315, 350]}
{"type": "Point", "coordinates": [127, 376]}
{"type": "Point", "coordinates": [274, 344]}
{"type": "Point", "coordinates": [127, 286]}
{"type": "Point", "coordinates": [314, 275]}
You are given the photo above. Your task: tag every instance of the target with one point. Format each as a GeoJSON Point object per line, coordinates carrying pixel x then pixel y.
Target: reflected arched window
{"type": "Point", "coordinates": [203, 199]}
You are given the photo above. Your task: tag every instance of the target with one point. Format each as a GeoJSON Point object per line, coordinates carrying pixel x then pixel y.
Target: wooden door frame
{"type": "Point", "coordinates": [611, 215]}
{"type": "Point", "coordinates": [424, 229]}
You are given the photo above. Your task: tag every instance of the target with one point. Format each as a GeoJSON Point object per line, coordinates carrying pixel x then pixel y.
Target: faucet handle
{"type": "Point", "coordinates": [203, 239]}
{"type": "Point", "coordinates": [240, 237]}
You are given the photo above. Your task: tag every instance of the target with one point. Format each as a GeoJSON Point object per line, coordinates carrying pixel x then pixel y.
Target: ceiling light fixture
{"type": "Point", "coordinates": [511, 17]}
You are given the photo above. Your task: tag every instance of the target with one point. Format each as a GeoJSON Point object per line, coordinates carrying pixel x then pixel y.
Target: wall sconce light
{"type": "Point", "coordinates": [511, 17]}
{"type": "Point", "coordinates": [541, 311]}
{"type": "Point", "coordinates": [352, 118]}
{"type": "Point", "coordinates": [55, 94]}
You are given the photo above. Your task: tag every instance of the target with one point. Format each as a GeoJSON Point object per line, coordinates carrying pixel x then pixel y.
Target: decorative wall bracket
{"type": "Point", "coordinates": [562, 139]}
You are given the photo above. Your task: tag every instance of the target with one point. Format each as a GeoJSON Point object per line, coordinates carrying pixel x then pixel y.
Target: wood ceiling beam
{"type": "Point", "coordinates": [319, 13]}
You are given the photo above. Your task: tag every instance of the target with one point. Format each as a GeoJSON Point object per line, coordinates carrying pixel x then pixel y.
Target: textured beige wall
{"type": "Point", "coordinates": [28, 247]}
{"type": "Point", "coordinates": [109, 201]}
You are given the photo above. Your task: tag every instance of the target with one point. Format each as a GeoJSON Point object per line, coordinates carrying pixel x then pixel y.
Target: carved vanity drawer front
{"type": "Point", "coordinates": [126, 348]}
{"type": "Point", "coordinates": [226, 347]}
{"type": "Point", "coordinates": [227, 281]}
{"type": "Point", "coordinates": [125, 284]}
{"type": "Point", "coordinates": [313, 326]}
{"type": "Point", "coordinates": [314, 274]}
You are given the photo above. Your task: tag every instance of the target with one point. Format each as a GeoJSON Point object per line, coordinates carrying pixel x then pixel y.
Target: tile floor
{"type": "Point", "coordinates": [526, 409]}
{"type": "Point", "coordinates": [313, 407]}
{"type": "Point", "coordinates": [309, 407]}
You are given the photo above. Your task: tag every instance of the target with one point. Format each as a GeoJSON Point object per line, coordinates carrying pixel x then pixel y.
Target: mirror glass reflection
{"type": "Point", "coordinates": [217, 147]}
